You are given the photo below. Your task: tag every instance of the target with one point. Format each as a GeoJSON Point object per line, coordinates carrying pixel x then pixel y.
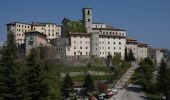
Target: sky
{"type": "Point", "coordinates": [147, 21]}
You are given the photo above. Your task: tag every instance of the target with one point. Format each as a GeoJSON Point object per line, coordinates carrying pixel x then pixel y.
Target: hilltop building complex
{"type": "Point", "coordinates": [80, 38]}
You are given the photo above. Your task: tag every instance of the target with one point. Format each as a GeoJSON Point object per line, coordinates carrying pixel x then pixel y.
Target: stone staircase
{"type": "Point", "coordinates": [121, 83]}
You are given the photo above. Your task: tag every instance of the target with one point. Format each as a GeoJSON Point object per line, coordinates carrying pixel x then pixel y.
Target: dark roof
{"type": "Point", "coordinates": [143, 45]}
{"type": "Point", "coordinates": [131, 40]}
{"type": "Point", "coordinates": [13, 23]}
{"type": "Point", "coordinates": [35, 32]}
{"type": "Point", "coordinates": [116, 29]}
{"type": "Point", "coordinates": [43, 23]}
{"type": "Point", "coordinates": [87, 8]}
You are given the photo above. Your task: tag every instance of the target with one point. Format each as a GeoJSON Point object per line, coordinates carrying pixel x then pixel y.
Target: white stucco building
{"type": "Point", "coordinates": [140, 50]}
{"type": "Point", "coordinates": [51, 30]}
{"type": "Point", "coordinates": [98, 40]}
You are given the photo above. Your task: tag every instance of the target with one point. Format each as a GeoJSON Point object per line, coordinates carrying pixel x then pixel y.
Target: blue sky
{"type": "Point", "coordinates": [146, 20]}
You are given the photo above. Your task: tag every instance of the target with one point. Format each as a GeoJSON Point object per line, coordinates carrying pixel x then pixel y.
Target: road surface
{"type": "Point", "coordinates": [132, 92]}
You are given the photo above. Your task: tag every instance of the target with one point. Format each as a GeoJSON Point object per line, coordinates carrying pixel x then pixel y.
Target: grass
{"type": "Point", "coordinates": [84, 69]}
{"type": "Point", "coordinates": [94, 77]}
{"type": "Point", "coordinates": [153, 96]}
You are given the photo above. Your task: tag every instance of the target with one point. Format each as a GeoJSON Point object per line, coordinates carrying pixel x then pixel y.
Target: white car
{"type": "Point", "coordinates": [114, 91]}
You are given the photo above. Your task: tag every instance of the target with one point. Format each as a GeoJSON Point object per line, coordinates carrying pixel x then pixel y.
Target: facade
{"type": "Point", "coordinates": [98, 40]}
{"type": "Point", "coordinates": [34, 39]}
{"type": "Point", "coordinates": [51, 30]}
{"type": "Point", "coordinates": [80, 38]}
{"type": "Point", "coordinates": [19, 29]}
{"type": "Point", "coordinates": [133, 45]}
{"type": "Point", "coordinates": [79, 44]}
{"type": "Point", "coordinates": [140, 50]}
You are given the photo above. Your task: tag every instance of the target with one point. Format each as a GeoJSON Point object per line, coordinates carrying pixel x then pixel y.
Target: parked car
{"type": "Point", "coordinates": [114, 91]}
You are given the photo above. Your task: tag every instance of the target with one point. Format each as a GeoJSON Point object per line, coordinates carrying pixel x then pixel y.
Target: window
{"type": "Point", "coordinates": [88, 20]}
{"type": "Point", "coordinates": [74, 42]}
{"type": "Point", "coordinates": [86, 47]}
{"type": "Point", "coordinates": [74, 53]}
{"type": "Point", "coordinates": [80, 42]}
{"type": "Point", "coordinates": [81, 47]}
{"type": "Point", "coordinates": [119, 42]}
{"type": "Point", "coordinates": [86, 53]}
{"type": "Point", "coordinates": [88, 12]}
{"type": "Point", "coordinates": [96, 44]}
{"type": "Point", "coordinates": [34, 29]}
{"type": "Point", "coordinates": [108, 47]}
{"type": "Point", "coordinates": [96, 49]}
{"type": "Point", "coordinates": [108, 42]}
{"type": "Point", "coordinates": [53, 34]}
{"type": "Point", "coordinates": [80, 53]}
{"type": "Point", "coordinates": [119, 48]}
{"type": "Point", "coordinates": [114, 48]}
{"type": "Point", "coordinates": [113, 42]}
{"type": "Point", "coordinates": [74, 47]}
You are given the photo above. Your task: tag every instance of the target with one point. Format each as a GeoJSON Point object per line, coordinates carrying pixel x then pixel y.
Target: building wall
{"type": "Point", "coordinates": [96, 25]}
{"type": "Point", "coordinates": [94, 44]}
{"type": "Point", "coordinates": [142, 52]}
{"type": "Point", "coordinates": [111, 45]}
{"type": "Point", "coordinates": [33, 40]}
{"type": "Point", "coordinates": [19, 29]}
{"type": "Point", "coordinates": [134, 48]}
{"type": "Point", "coordinates": [80, 45]}
{"type": "Point", "coordinates": [51, 30]}
{"type": "Point", "coordinates": [159, 56]}
{"type": "Point", "coordinates": [87, 19]}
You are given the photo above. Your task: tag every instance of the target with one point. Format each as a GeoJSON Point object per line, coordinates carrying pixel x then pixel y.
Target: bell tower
{"type": "Point", "coordinates": [87, 19]}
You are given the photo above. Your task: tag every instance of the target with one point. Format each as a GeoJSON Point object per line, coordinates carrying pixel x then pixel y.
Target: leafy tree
{"type": "Point", "coordinates": [36, 88]}
{"type": "Point", "coordinates": [101, 87]}
{"type": "Point", "coordinates": [144, 74]}
{"type": "Point", "coordinates": [67, 86]}
{"type": "Point", "coordinates": [88, 84]}
{"type": "Point", "coordinates": [117, 59]}
{"type": "Point", "coordinates": [9, 80]}
{"type": "Point", "coordinates": [162, 78]}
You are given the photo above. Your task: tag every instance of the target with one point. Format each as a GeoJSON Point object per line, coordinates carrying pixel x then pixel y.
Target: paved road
{"type": "Point", "coordinates": [133, 92]}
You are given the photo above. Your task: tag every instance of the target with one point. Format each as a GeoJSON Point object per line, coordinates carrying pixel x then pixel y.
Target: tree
{"type": "Point", "coordinates": [9, 80]}
{"type": "Point", "coordinates": [108, 60]}
{"type": "Point", "coordinates": [162, 78]}
{"type": "Point", "coordinates": [168, 84]}
{"type": "Point", "coordinates": [131, 55]}
{"type": "Point", "coordinates": [144, 74]}
{"type": "Point", "coordinates": [101, 87]}
{"type": "Point", "coordinates": [117, 59]}
{"type": "Point", "coordinates": [36, 88]}
{"type": "Point", "coordinates": [126, 54]}
{"type": "Point", "coordinates": [67, 86]}
{"type": "Point", "coordinates": [88, 84]}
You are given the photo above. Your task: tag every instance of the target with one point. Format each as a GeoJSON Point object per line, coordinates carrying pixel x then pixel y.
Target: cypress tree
{"type": "Point", "coordinates": [89, 84]}
{"type": "Point", "coordinates": [9, 83]}
{"type": "Point", "coordinates": [36, 88]}
{"type": "Point", "coordinates": [67, 86]}
{"type": "Point", "coordinates": [131, 55]}
{"type": "Point", "coordinates": [126, 55]}
{"type": "Point", "coordinates": [162, 78]}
